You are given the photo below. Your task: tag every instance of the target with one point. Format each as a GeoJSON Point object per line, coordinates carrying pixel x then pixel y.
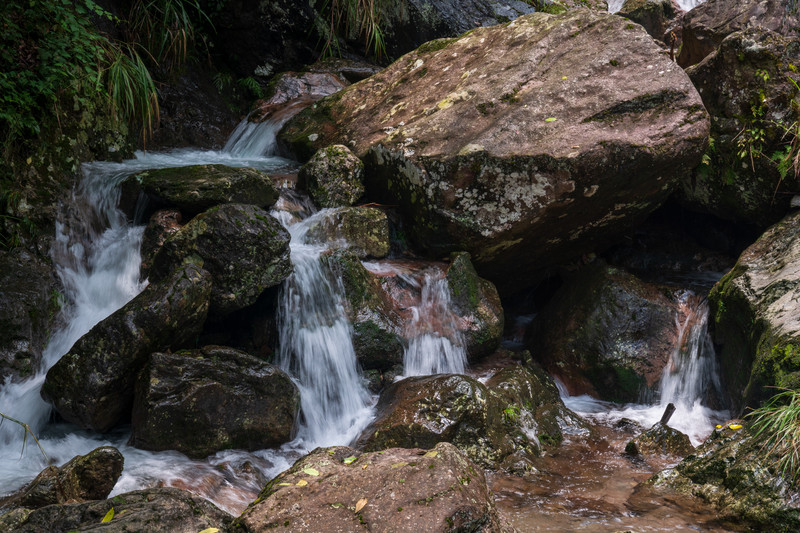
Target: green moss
{"type": "Point", "coordinates": [435, 45]}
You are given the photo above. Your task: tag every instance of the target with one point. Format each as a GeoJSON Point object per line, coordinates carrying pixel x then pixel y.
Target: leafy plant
{"type": "Point", "coordinates": [778, 423]}
{"type": "Point", "coordinates": [131, 91]}
{"type": "Point", "coordinates": [355, 18]}
{"type": "Point", "coordinates": [11, 225]}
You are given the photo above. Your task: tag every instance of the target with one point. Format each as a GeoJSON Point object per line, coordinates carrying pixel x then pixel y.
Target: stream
{"type": "Point", "coordinates": [585, 485]}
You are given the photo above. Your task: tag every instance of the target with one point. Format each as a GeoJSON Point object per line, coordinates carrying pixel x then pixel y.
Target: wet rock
{"type": "Point", "coordinates": [31, 299]}
{"type": "Point", "coordinates": [730, 471]}
{"type": "Point", "coordinates": [756, 317]}
{"type": "Point", "coordinates": [196, 188]}
{"type": "Point", "coordinates": [295, 90]}
{"type": "Point", "coordinates": [653, 15]}
{"type": "Point", "coordinates": [202, 401]}
{"type": "Point", "coordinates": [516, 412]}
{"type": "Point", "coordinates": [705, 26]}
{"type": "Point", "coordinates": [363, 231]}
{"type": "Point", "coordinates": [85, 477]}
{"type": "Point", "coordinates": [162, 224]}
{"type": "Point", "coordinates": [396, 490]}
{"type": "Point", "coordinates": [528, 169]}
{"type": "Point", "coordinates": [333, 177]}
{"type": "Point", "coordinates": [245, 250]}
{"type": "Point", "coordinates": [606, 333]}
{"type": "Point", "coordinates": [660, 439]}
{"type": "Point", "coordinates": [92, 385]}
{"type": "Point", "coordinates": [348, 69]}
{"type": "Point", "coordinates": [159, 510]}
{"type": "Point", "coordinates": [377, 327]}
{"type": "Point", "coordinates": [476, 301]}
{"type": "Point", "coordinates": [749, 89]}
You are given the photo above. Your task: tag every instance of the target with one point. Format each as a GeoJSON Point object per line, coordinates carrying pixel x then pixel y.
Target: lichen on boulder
{"type": "Point", "coordinates": [364, 231]}
{"type": "Point", "coordinates": [333, 177]}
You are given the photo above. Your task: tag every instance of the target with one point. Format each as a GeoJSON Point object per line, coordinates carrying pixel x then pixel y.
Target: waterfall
{"type": "Point", "coordinates": [316, 344]}
{"type": "Point", "coordinates": [689, 378]}
{"type": "Point", "coordinates": [616, 5]}
{"type": "Point", "coordinates": [436, 346]}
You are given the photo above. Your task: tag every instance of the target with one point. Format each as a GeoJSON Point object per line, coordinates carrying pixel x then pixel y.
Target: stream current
{"type": "Point", "coordinates": [96, 252]}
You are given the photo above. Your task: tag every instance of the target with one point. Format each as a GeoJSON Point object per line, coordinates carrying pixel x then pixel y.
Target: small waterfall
{"type": "Point", "coordinates": [615, 5]}
{"type": "Point", "coordinates": [436, 346]}
{"type": "Point", "coordinates": [259, 139]}
{"type": "Point", "coordinates": [689, 379]}
{"type": "Point", "coordinates": [316, 345]}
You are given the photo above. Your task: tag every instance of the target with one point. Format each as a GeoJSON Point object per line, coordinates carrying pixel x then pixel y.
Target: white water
{"type": "Point", "coordinates": [317, 346]}
{"type": "Point", "coordinates": [615, 5]}
{"type": "Point", "coordinates": [690, 375]}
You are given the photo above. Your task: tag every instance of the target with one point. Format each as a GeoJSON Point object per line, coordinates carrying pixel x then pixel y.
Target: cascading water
{"type": "Point", "coordinates": [615, 5]}
{"type": "Point", "coordinates": [435, 345]}
{"type": "Point", "coordinates": [690, 377]}
{"type": "Point", "coordinates": [316, 344]}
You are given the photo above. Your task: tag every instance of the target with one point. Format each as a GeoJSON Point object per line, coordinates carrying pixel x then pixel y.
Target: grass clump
{"type": "Point", "coordinates": [778, 424]}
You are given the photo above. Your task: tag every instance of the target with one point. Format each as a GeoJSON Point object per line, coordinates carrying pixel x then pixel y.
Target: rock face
{"type": "Point", "coordinates": [30, 301]}
{"type": "Point", "coordinates": [606, 333]}
{"type": "Point", "coordinates": [528, 169]}
{"type": "Point", "coordinates": [397, 490]}
{"type": "Point", "coordinates": [333, 177]}
{"type": "Point", "coordinates": [705, 26]}
{"type": "Point", "coordinates": [363, 231]}
{"type": "Point", "coordinates": [757, 319]}
{"type": "Point", "coordinates": [153, 510]}
{"type": "Point", "coordinates": [749, 88]}
{"type": "Point", "coordinates": [245, 250]}
{"type": "Point", "coordinates": [85, 477]}
{"type": "Point", "coordinates": [162, 224]}
{"type": "Point", "coordinates": [203, 401]}
{"type": "Point", "coordinates": [92, 385]}
{"type": "Point", "coordinates": [196, 188]}
{"type": "Point", "coordinates": [515, 413]}
{"type": "Point", "coordinates": [290, 89]}
{"type": "Point", "coordinates": [653, 15]}
{"type": "Point", "coordinates": [660, 439]}
{"type": "Point", "coordinates": [730, 471]}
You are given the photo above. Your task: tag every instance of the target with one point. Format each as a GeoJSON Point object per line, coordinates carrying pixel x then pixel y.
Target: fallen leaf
{"type": "Point", "coordinates": [211, 530]}
{"type": "Point", "coordinates": [550, 119]}
{"type": "Point", "coordinates": [285, 484]}
{"type": "Point", "coordinates": [563, 77]}
{"type": "Point", "coordinates": [350, 460]}
{"type": "Point", "coordinates": [398, 465]}
{"type": "Point", "coordinates": [364, 467]}
{"type": "Point", "coordinates": [302, 483]}
{"type": "Point", "coordinates": [311, 471]}
{"type": "Point", "coordinates": [719, 426]}
{"type": "Point", "coordinates": [735, 426]}
{"type": "Point", "coordinates": [432, 453]}
{"type": "Point", "coordinates": [360, 504]}
{"type": "Point", "coordinates": [109, 515]}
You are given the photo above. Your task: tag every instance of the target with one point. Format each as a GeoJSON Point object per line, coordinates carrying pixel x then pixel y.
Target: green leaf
{"type": "Point", "coordinates": [350, 460]}
{"type": "Point", "coordinates": [550, 119]}
{"type": "Point", "coordinates": [311, 471]}
{"type": "Point", "coordinates": [109, 515]}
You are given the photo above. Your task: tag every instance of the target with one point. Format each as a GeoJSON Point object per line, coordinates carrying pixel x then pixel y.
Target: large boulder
{"type": "Point", "coordinates": [606, 333]}
{"type": "Point", "coordinates": [290, 91]}
{"type": "Point", "coordinates": [530, 168]}
{"type": "Point", "coordinates": [756, 317]}
{"type": "Point", "coordinates": [30, 301]}
{"type": "Point", "coordinates": [161, 225]}
{"type": "Point", "coordinates": [749, 86]}
{"type": "Point", "coordinates": [653, 15]}
{"type": "Point", "coordinates": [333, 177]}
{"type": "Point", "coordinates": [202, 401]}
{"type": "Point", "coordinates": [161, 510]}
{"type": "Point", "coordinates": [92, 384]}
{"type": "Point", "coordinates": [705, 26]}
{"type": "Point", "coordinates": [515, 414]}
{"type": "Point", "coordinates": [196, 188]}
{"type": "Point", "coordinates": [397, 490]}
{"type": "Point", "coordinates": [364, 231]}
{"type": "Point", "coordinates": [244, 248]}
{"type": "Point", "coordinates": [732, 472]}
{"type": "Point", "coordinates": [85, 477]}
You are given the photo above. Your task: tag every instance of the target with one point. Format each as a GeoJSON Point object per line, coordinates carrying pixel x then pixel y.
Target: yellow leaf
{"type": "Point", "coordinates": [563, 77]}
{"type": "Point", "coordinates": [211, 530]}
{"type": "Point", "coordinates": [302, 483]}
{"type": "Point", "coordinates": [360, 504]}
{"type": "Point", "coordinates": [349, 460]}
{"type": "Point", "coordinates": [550, 119]}
{"type": "Point", "coordinates": [311, 471]}
{"type": "Point", "coordinates": [285, 484]}
{"type": "Point", "coordinates": [735, 426]}
{"type": "Point", "coordinates": [432, 453]}
{"type": "Point", "coordinates": [398, 465]}
{"type": "Point", "coordinates": [109, 515]}
{"type": "Point", "coordinates": [29, 160]}
{"type": "Point", "coordinates": [719, 426]}
{"type": "Point", "coordinates": [364, 467]}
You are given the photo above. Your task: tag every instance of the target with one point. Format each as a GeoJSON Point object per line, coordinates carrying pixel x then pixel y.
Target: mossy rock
{"type": "Point", "coordinates": [364, 231]}
{"type": "Point", "coordinates": [333, 177]}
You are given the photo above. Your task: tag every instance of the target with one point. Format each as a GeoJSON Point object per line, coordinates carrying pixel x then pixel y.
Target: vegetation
{"type": "Point", "coordinates": [26, 431]}
{"type": "Point", "coordinates": [778, 423]}
{"type": "Point", "coordinates": [357, 19]}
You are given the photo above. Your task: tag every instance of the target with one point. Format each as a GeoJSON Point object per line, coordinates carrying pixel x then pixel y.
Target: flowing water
{"type": "Point", "coordinates": [686, 5]}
